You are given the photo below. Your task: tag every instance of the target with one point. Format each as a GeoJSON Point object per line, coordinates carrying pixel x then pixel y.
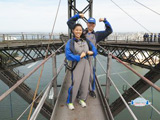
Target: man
{"type": "Point", "coordinates": [159, 38]}
{"type": "Point", "coordinates": [94, 37]}
{"type": "Point", "coordinates": [155, 37]}
{"type": "Point", "coordinates": [144, 37]}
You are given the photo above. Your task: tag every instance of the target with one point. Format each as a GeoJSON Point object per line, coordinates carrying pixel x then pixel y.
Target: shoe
{"type": "Point", "coordinates": [71, 106]}
{"type": "Point", "coordinates": [82, 103]}
{"type": "Point", "coordinates": [92, 94]}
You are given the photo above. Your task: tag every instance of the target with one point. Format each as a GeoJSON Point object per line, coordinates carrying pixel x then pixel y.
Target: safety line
{"type": "Point", "coordinates": [38, 108]}
{"type": "Point", "coordinates": [28, 75]}
{"type": "Point", "coordinates": [38, 95]}
{"type": "Point", "coordinates": [129, 109]}
{"type": "Point", "coordinates": [142, 77]}
{"type": "Point", "coordinates": [147, 7]}
{"type": "Point", "coordinates": [29, 115]}
{"type": "Point", "coordinates": [131, 17]}
{"type": "Point", "coordinates": [137, 92]}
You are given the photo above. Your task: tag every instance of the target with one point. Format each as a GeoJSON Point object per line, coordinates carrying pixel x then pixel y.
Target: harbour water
{"type": "Point", "coordinates": [13, 105]}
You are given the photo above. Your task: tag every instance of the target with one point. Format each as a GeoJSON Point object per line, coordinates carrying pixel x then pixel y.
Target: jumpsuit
{"type": "Point", "coordinates": [81, 74]}
{"type": "Point", "coordinates": [94, 37]}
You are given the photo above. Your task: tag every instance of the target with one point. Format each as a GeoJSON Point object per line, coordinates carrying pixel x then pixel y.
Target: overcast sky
{"type": "Point", "coordinates": [38, 15]}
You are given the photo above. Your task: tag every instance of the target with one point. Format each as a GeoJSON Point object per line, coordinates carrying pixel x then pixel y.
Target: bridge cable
{"type": "Point", "coordinates": [19, 82]}
{"type": "Point", "coordinates": [142, 77]}
{"type": "Point", "coordinates": [147, 7]}
{"type": "Point", "coordinates": [33, 101]}
{"type": "Point", "coordinates": [126, 104]}
{"type": "Point", "coordinates": [136, 90]}
{"type": "Point", "coordinates": [131, 16]}
{"type": "Point", "coordinates": [41, 102]}
{"type": "Point", "coordinates": [11, 106]}
{"type": "Point", "coordinates": [43, 64]}
{"type": "Point", "coordinates": [152, 103]}
{"type": "Point", "coordinates": [138, 93]}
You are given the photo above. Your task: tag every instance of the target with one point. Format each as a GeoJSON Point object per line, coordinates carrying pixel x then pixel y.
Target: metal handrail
{"type": "Point", "coordinates": [138, 93]}
{"type": "Point", "coordinates": [129, 109]}
{"type": "Point", "coordinates": [28, 75]}
{"type": "Point", "coordinates": [38, 108]}
{"type": "Point", "coordinates": [142, 77]}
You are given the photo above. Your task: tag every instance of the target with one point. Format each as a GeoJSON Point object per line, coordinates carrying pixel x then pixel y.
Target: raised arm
{"type": "Point", "coordinates": [72, 21]}
{"type": "Point", "coordinates": [101, 35]}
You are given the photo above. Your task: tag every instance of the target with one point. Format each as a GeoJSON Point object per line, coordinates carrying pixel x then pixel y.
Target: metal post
{"type": "Point", "coordinates": [3, 37]}
{"type": "Point", "coordinates": [91, 7]}
{"type": "Point", "coordinates": [50, 37]}
{"type": "Point", "coordinates": [69, 15]}
{"type": "Point", "coordinates": [37, 37]}
{"type": "Point", "coordinates": [22, 36]}
{"type": "Point", "coordinates": [54, 84]}
{"type": "Point", "coordinates": [26, 36]}
{"type": "Point", "coordinates": [73, 10]}
{"type": "Point", "coordinates": [108, 82]}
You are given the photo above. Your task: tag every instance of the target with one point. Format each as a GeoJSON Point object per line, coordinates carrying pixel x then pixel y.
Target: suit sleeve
{"type": "Point", "coordinates": [101, 35]}
{"type": "Point", "coordinates": [72, 21]}
{"type": "Point", "coordinates": [94, 49]}
{"type": "Point", "coordinates": [69, 55]}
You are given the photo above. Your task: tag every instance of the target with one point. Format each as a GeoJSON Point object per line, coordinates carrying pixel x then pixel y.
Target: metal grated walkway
{"type": "Point", "coordinates": [93, 111]}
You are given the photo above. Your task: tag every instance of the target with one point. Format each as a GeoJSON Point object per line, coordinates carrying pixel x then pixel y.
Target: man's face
{"type": "Point", "coordinates": [91, 26]}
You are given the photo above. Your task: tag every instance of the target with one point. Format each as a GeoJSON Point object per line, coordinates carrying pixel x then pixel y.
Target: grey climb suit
{"type": "Point", "coordinates": [80, 75]}
{"type": "Point", "coordinates": [94, 37]}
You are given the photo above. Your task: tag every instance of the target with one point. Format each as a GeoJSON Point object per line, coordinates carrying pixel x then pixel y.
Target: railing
{"type": "Point", "coordinates": [27, 36]}
{"type": "Point", "coordinates": [110, 82]}
{"type": "Point", "coordinates": [128, 37]}
{"type": "Point", "coordinates": [52, 83]}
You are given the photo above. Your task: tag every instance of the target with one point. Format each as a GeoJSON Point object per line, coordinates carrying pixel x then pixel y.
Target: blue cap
{"type": "Point", "coordinates": [92, 20]}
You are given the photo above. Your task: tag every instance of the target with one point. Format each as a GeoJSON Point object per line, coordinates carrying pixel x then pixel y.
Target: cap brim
{"type": "Point", "coordinates": [92, 22]}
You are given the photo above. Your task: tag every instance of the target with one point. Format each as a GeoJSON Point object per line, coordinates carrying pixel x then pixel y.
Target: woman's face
{"type": "Point", "coordinates": [77, 32]}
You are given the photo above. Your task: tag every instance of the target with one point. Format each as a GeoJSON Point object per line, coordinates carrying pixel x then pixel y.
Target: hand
{"type": "Point", "coordinates": [81, 15]}
{"type": "Point", "coordinates": [83, 54]}
{"type": "Point", "coordinates": [90, 53]}
{"type": "Point", "coordinates": [101, 19]}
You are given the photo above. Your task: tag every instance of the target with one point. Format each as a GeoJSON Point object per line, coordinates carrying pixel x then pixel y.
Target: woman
{"type": "Point", "coordinates": [77, 50]}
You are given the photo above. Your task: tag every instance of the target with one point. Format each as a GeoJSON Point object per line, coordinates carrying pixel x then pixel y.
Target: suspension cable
{"type": "Point", "coordinates": [33, 101]}
{"type": "Point", "coordinates": [39, 94]}
{"type": "Point", "coordinates": [137, 92]}
{"type": "Point", "coordinates": [142, 77]}
{"type": "Point", "coordinates": [28, 75]}
{"type": "Point", "coordinates": [152, 103]}
{"type": "Point", "coordinates": [38, 108]}
{"type": "Point", "coordinates": [129, 109]}
{"type": "Point", "coordinates": [43, 64]}
{"type": "Point", "coordinates": [131, 17]}
{"type": "Point", "coordinates": [147, 7]}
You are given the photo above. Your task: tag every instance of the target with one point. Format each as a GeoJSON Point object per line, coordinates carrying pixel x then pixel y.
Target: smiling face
{"type": "Point", "coordinates": [77, 32]}
{"type": "Point", "coordinates": [90, 26]}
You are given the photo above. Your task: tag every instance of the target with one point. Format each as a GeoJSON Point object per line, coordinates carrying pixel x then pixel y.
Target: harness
{"type": "Point", "coordinates": [72, 49]}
